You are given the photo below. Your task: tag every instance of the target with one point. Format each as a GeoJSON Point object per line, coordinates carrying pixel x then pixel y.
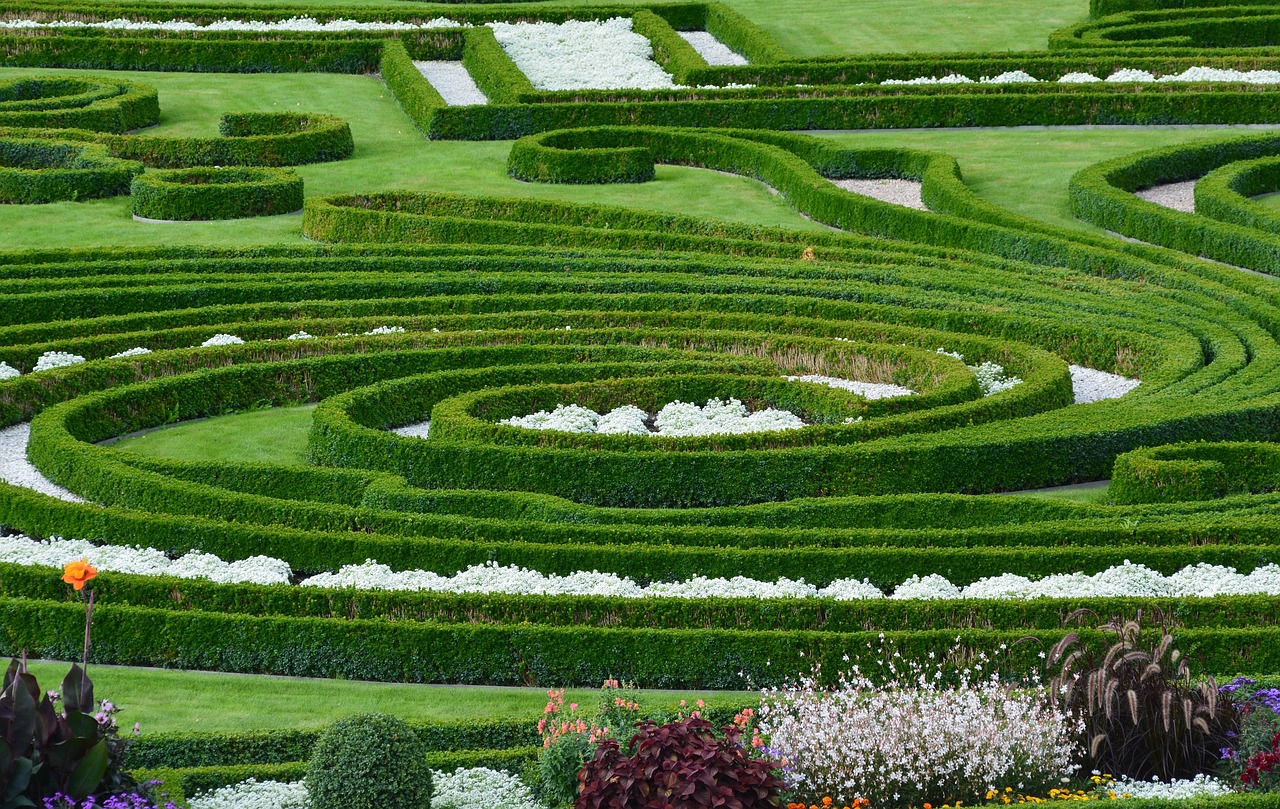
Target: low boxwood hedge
{"type": "Point", "coordinates": [215, 193]}
{"type": "Point", "coordinates": [39, 171]}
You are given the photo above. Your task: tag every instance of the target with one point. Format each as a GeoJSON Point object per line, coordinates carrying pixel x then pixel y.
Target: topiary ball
{"type": "Point", "coordinates": [369, 761]}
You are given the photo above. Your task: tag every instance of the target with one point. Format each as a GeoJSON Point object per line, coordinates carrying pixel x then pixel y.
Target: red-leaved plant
{"type": "Point", "coordinates": [680, 765]}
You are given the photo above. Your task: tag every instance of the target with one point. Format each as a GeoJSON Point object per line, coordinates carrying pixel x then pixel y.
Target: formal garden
{"type": "Point", "coordinates": [639, 404]}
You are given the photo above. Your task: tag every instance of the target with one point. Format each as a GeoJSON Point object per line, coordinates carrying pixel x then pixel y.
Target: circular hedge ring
{"type": "Point", "coordinates": [215, 193]}
{"type": "Point", "coordinates": [35, 171]}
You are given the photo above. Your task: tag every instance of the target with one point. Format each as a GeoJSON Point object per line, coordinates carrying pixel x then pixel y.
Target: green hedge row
{"type": "Point", "coordinates": [1243, 25]}
{"type": "Point", "coordinates": [412, 91]}
{"type": "Point", "coordinates": [491, 69]}
{"type": "Point", "coordinates": [215, 193]}
{"type": "Point", "coordinates": [39, 171]}
{"type": "Point", "coordinates": [532, 655]}
{"type": "Point", "coordinates": [1103, 195]}
{"type": "Point", "coordinates": [1226, 194]}
{"type": "Point", "coordinates": [746, 614]}
{"type": "Point", "coordinates": [1204, 471]}
{"type": "Point", "coordinates": [100, 106]}
{"type": "Point", "coordinates": [563, 157]}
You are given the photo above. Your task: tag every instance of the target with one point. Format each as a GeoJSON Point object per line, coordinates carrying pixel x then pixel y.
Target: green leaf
{"type": "Point", "coordinates": [88, 774]}
{"type": "Point", "coordinates": [18, 780]}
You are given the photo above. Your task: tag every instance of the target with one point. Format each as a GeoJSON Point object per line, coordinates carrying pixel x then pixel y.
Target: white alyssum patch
{"type": "Point", "coordinates": [7, 371]}
{"type": "Point", "coordinates": [1010, 77]}
{"type": "Point", "coordinates": [386, 330]}
{"type": "Point", "coordinates": [453, 82]}
{"type": "Point", "coordinates": [132, 352]}
{"type": "Point", "coordinates": [420, 430]}
{"type": "Point", "coordinates": [1179, 789]}
{"type": "Point", "coordinates": [953, 78]}
{"type": "Point", "coordinates": [1091, 385]}
{"type": "Point", "coordinates": [679, 419]}
{"type": "Point", "coordinates": [254, 794]}
{"type": "Point", "coordinates": [1131, 75]}
{"type": "Point", "coordinates": [1217, 74]}
{"type": "Point", "coordinates": [1124, 75]}
{"type": "Point", "coordinates": [16, 470]}
{"type": "Point", "coordinates": [293, 25]}
{"type": "Point", "coordinates": [222, 340]}
{"type": "Point", "coordinates": [56, 552]}
{"type": "Point", "coordinates": [57, 359]}
{"type": "Point", "coordinates": [583, 55]}
{"type": "Point", "coordinates": [867, 390]}
{"type": "Point", "coordinates": [1079, 78]}
{"type": "Point", "coordinates": [991, 376]}
{"type": "Point", "coordinates": [300, 335]}
{"type": "Point", "coordinates": [712, 49]}
{"type": "Point", "coordinates": [464, 788]}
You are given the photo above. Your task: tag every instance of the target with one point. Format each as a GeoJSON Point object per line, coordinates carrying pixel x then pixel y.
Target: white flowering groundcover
{"type": "Point", "coordinates": [465, 788]}
{"type": "Point", "coordinates": [675, 419]}
{"type": "Point", "coordinates": [583, 55]}
{"type": "Point", "coordinates": [1123, 76]}
{"type": "Point", "coordinates": [291, 25]}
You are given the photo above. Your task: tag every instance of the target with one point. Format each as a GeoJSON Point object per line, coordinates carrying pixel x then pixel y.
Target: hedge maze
{"type": "Point", "coordinates": [466, 310]}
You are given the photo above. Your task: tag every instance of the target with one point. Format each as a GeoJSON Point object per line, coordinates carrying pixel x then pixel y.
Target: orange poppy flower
{"type": "Point", "coordinates": [78, 574]}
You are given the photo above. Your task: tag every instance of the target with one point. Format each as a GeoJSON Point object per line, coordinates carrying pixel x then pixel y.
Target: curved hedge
{"type": "Point", "coordinates": [92, 104]}
{"type": "Point", "coordinates": [1226, 194]}
{"type": "Point", "coordinates": [38, 171]}
{"type": "Point", "coordinates": [217, 193]}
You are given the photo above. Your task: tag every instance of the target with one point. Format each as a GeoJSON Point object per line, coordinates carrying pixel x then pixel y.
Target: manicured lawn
{"type": "Point", "coordinates": [165, 701]}
{"type": "Point", "coordinates": [274, 435]}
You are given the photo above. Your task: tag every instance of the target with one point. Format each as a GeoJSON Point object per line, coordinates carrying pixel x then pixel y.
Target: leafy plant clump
{"type": "Point", "coordinates": [680, 765]}
{"type": "Point", "coordinates": [369, 761]}
{"type": "Point", "coordinates": [1144, 716]}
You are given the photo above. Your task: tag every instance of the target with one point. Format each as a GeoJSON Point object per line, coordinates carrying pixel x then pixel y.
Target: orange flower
{"type": "Point", "coordinates": [78, 574]}
{"type": "Point", "coordinates": [827, 801]}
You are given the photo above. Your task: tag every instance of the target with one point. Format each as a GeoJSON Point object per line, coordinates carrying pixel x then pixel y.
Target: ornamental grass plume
{"type": "Point", "coordinates": [922, 737]}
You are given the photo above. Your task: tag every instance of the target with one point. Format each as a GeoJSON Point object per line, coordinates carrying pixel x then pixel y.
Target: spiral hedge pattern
{"type": "Point", "coordinates": [467, 311]}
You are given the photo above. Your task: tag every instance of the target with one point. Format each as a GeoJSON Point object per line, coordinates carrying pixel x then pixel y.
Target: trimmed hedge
{"type": "Point", "coordinates": [1202, 471]}
{"type": "Point", "coordinates": [39, 171]}
{"type": "Point", "coordinates": [1226, 194]}
{"type": "Point", "coordinates": [560, 157]}
{"type": "Point", "coordinates": [217, 193]}
{"type": "Point", "coordinates": [93, 104]}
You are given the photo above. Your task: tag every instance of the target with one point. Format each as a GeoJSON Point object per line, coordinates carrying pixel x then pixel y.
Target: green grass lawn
{"type": "Point", "coordinates": [272, 435]}
{"type": "Point", "coordinates": [165, 701]}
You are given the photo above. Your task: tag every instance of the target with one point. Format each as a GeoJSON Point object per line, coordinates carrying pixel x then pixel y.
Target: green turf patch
{"type": "Point", "coordinates": [275, 435]}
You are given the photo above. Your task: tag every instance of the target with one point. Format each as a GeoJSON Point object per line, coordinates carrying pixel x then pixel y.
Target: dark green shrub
{"type": "Point", "coordinates": [369, 761]}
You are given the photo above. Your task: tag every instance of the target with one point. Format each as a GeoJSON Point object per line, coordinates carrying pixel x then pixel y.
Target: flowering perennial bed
{"type": "Point", "coordinates": [583, 54]}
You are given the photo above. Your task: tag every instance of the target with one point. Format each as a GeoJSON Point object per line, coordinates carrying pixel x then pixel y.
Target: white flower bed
{"type": "Point", "coordinates": [465, 788]}
{"type": "Point", "coordinates": [991, 376]}
{"type": "Point", "coordinates": [867, 390]}
{"type": "Point", "coordinates": [57, 359]}
{"type": "Point", "coordinates": [711, 49]}
{"type": "Point", "coordinates": [300, 335]}
{"type": "Point", "coordinates": [56, 552]}
{"type": "Point", "coordinates": [1179, 789]}
{"type": "Point", "coordinates": [16, 470]}
{"type": "Point", "coordinates": [420, 430]}
{"type": "Point", "coordinates": [132, 352]}
{"type": "Point", "coordinates": [583, 55]}
{"type": "Point", "coordinates": [1125, 75]}
{"type": "Point", "coordinates": [679, 419]}
{"type": "Point", "coordinates": [386, 330]}
{"type": "Point", "coordinates": [453, 82]}
{"type": "Point", "coordinates": [1090, 385]}
{"type": "Point", "coordinates": [222, 340]}
{"type": "Point", "coordinates": [293, 24]}
{"type": "Point", "coordinates": [7, 371]}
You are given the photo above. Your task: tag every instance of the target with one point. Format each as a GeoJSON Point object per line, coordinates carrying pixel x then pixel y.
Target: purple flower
{"type": "Point", "coordinates": [1227, 752]}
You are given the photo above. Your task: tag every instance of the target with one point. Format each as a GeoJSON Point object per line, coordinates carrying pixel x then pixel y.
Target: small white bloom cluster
{"type": "Point", "coordinates": [57, 359]}
{"type": "Point", "coordinates": [1090, 385]}
{"type": "Point", "coordinates": [300, 335]}
{"type": "Point", "coordinates": [56, 552]}
{"type": "Point", "coordinates": [480, 788]}
{"type": "Point", "coordinates": [7, 371]}
{"type": "Point", "coordinates": [867, 390]}
{"type": "Point", "coordinates": [222, 340]}
{"type": "Point", "coordinates": [132, 352]}
{"type": "Point", "coordinates": [293, 24]}
{"type": "Point", "coordinates": [990, 375]}
{"type": "Point", "coordinates": [1178, 789]}
{"type": "Point", "coordinates": [712, 49]}
{"type": "Point", "coordinates": [421, 429]}
{"type": "Point", "coordinates": [1124, 75]}
{"type": "Point", "coordinates": [254, 794]}
{"type": "Point", "coordinates": [915, 738]}
{"type": "Point", "coordinates": [386, 330]}
{"type": "Point", "coordinates": [583, 55]}
{"type": "Point", "coordinates": [678, 419]}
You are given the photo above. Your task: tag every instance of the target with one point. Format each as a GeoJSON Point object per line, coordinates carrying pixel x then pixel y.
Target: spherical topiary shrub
{"type": "Point", "coordinates": [215, 193]}
{"type": "Point", "coordinates": [369, 761]}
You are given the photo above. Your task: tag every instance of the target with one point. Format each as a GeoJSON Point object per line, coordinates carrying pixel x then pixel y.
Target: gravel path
{"type": "Point", "coordinates": [898, 192]}
{"type": "Point", "coordinates": [452, 82]}
{"type": "Point", "coordinates": [712, 49]}
{"type": "Point", "coordinates": [1095, 386]}
{"type": "Point", "coordinates": [419, 430]}
{"type": "Point", "coordinates": [16, 470]}
{"type": "Point", "coordinates": [1178, 196]}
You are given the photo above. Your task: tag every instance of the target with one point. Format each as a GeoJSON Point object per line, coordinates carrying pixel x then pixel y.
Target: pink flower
{"type": "Point", "coordinates": [573, 706]}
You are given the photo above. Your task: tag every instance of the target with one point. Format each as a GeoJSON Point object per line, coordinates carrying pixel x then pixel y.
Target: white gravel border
{"type": "Point", "coordinates": [1178, 196]}
{"type": "Point", "coordinates": [906, 193]}
{"type": "Point", "coordinates": [713, 50]}
{"type": "Point", "coordinates": [453, 83]}
{"type": "Point", "coordinates": [16, 470]}
{"type": "Point", "coordinates": [1090, 385]}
